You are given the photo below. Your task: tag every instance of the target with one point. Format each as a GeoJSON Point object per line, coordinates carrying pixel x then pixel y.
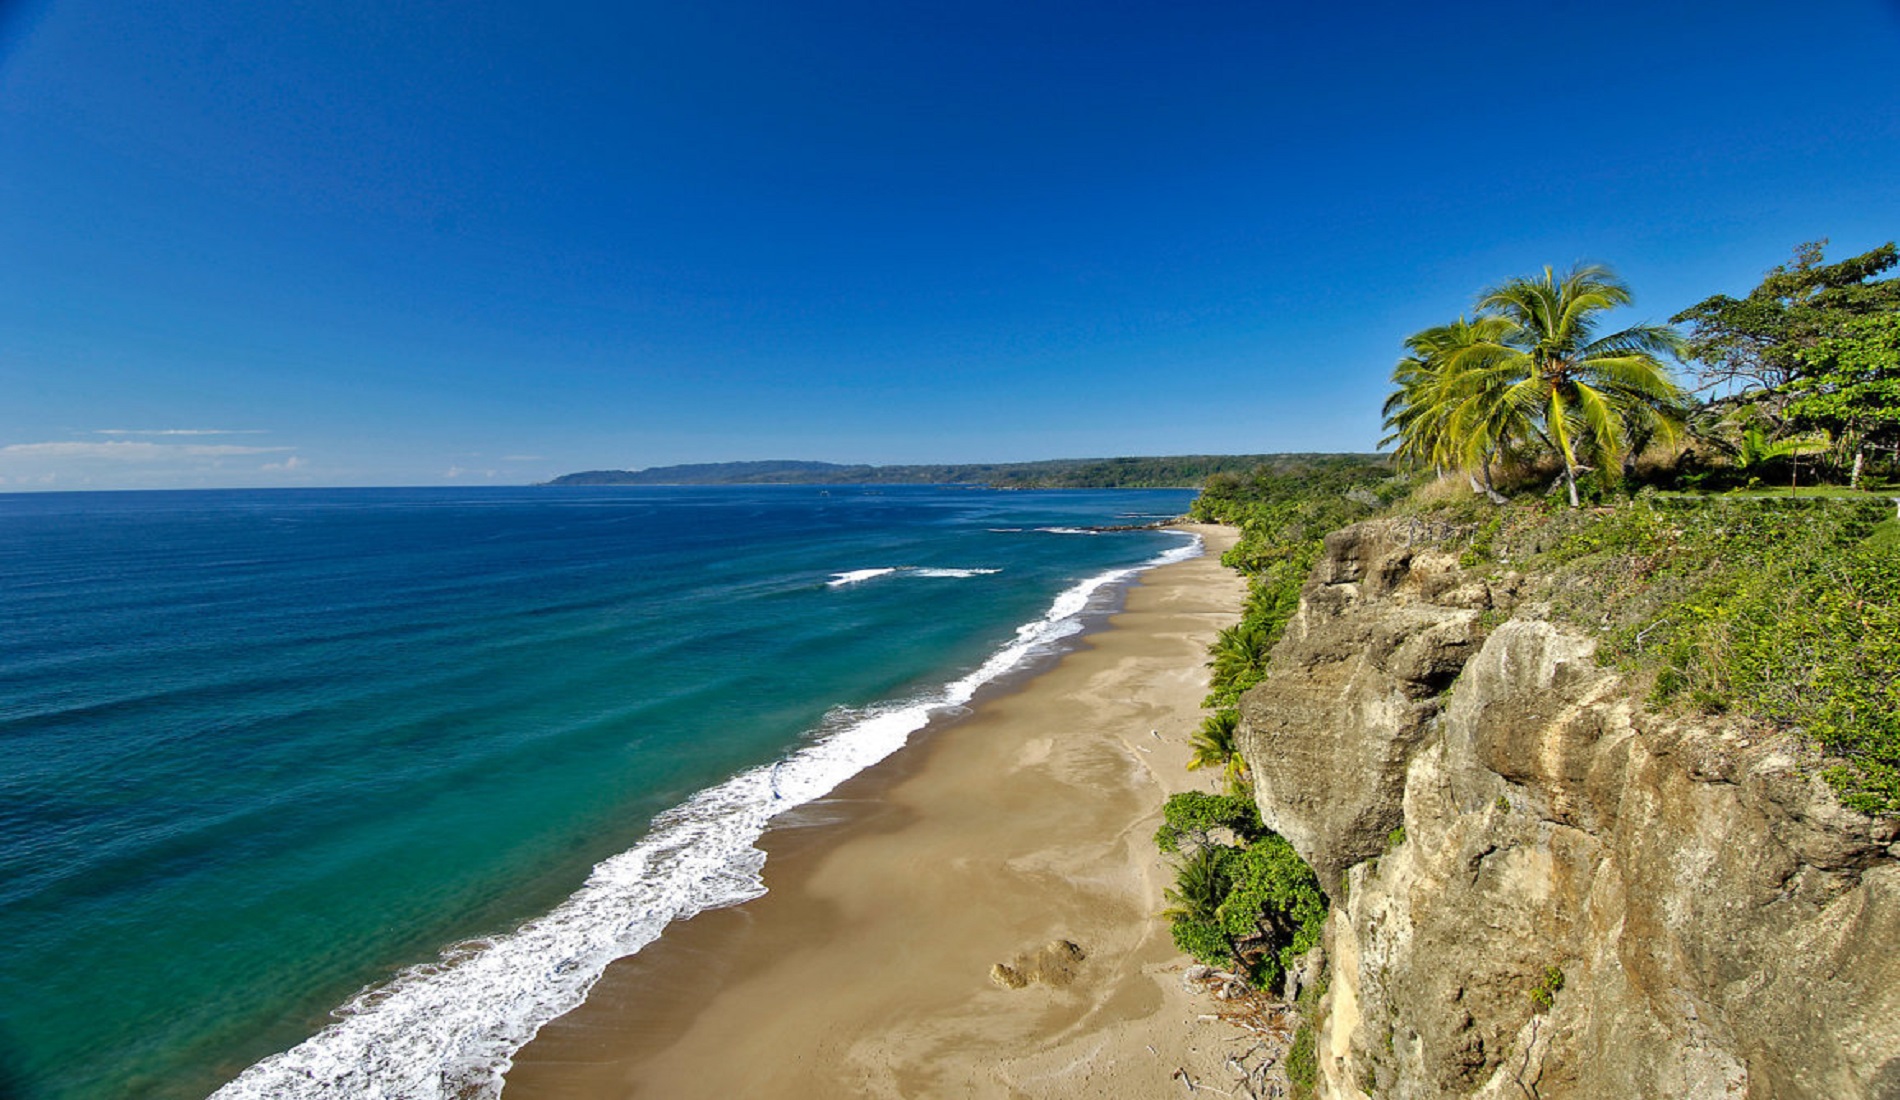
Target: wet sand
{"type": "Point", "coordinates": [866, 970]}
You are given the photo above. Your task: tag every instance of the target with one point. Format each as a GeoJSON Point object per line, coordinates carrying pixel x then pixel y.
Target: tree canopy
{"type": "Point", "coordinates": [1762, 342]}
{"type": "Point", "coordinates": [1532, 374]}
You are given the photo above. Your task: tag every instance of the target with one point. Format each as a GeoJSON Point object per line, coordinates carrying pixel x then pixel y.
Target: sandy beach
{"type": "Point", "coordinates": [1003, 837]}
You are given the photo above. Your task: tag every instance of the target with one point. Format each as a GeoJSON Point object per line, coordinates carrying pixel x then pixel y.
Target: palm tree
{"type": "Point", "coordinates": [1215, 745]}
{"type": "Point", "coordinates": [1239, 656]}
{"type": "Point", "coordinates": [1530, 371]}
{"type": "Point", "coordinates": [1581, 393]}
{"type": "Point", "coordinates": [1448, 411]}
{"type": "Point", "coordinates": [1201, 883]}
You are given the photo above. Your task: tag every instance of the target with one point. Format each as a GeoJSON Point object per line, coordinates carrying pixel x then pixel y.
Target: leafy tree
{"type": "Point", "coordinates": [1194, 817]}
{"type": "Point", "coordinates": [1853, 390]}
{"type": "Point", "coordinates": [1274, 903]}
{"type": "Point", "coordinates": [1760, 342]}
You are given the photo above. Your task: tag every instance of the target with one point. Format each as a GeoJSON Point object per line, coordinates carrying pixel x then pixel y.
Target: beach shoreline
{"type": "Point", "coordinates": [865, 969]}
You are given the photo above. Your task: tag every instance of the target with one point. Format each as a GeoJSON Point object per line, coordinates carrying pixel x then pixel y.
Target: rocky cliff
{"type": "Point", "coordinates": [1542, 889]}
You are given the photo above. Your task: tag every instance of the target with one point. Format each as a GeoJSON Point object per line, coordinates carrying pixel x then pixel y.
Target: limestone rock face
{"type": "Point", "coordinates": [1721, 925]}
{"type": "Point", "coordinates": [1354, 688]}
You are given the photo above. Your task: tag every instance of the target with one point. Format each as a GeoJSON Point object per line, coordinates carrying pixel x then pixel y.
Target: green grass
{"type": "Point", "coordinates": [1778, 609]}
{"type": "Point", "coordinates": [1812, 492]}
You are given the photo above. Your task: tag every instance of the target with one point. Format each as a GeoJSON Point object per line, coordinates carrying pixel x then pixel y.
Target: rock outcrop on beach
{"type": "Point", "coordinates": [1542, 888]}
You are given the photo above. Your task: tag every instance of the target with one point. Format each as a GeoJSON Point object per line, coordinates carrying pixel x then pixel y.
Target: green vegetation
{"type": "Point", "coordinates": [1175, 471]}
{"type": "Point", "coordinates": [1283, 514]}
{"type": "Point", "coordinates": [1544, 993]}
{"type": "Point", "coordinates": [1782, 610]}
{"type": "Point", "coordinates": [1302, 1056]}
{"type": "Point", "coordinates": [1242, 896]}
{"type": "Point", "coordinates": [1196, 820]}
{"type": "Point", "coordinates": [1531, 376]}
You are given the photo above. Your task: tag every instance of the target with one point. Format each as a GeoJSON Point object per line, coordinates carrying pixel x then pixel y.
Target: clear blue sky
{"type": "Point", "coordinates": [401, 243]}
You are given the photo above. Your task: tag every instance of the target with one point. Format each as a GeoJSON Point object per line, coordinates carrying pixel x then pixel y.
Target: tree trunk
{"type": "Point", "coordinates": [1570, 482]}
{"type": "Point", "coordinates": [1860, 457]}
{"type": "Point", "coordinates": [1486, 490]}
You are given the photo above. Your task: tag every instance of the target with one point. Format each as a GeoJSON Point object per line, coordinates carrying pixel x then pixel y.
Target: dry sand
{"type": "Point", "coordinates": [866, 970]}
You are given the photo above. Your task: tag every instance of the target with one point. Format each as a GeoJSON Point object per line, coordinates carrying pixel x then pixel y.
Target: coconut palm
{"type": "Point", "coordinates": [1448, 411]}
{"type": "Point", "coordinates": [1530, 372]}
{"type": "Point", "coordinates": [1201, 883]}
{"type": "Point", "coordinates": [1239, 654]}
{"type": "Point", "coordinates": [1580, 393]}
{"type": "Point", "coordinates": [1216, 745]}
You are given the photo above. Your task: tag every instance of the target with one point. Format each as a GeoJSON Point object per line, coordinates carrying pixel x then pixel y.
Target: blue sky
{"type": "Point", "coordinates": [353, 243]}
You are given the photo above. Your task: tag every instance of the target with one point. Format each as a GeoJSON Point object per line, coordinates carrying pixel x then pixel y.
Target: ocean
{"type": "Point", "coordinates": [346, 792]}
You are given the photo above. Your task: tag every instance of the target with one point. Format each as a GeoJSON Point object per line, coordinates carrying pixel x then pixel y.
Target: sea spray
{"type": "Point", "coordinates": [450, 1028]}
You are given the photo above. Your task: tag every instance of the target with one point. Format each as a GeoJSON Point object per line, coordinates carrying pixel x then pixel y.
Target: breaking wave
{"type": "Point", "coordinates": [450, 1028]}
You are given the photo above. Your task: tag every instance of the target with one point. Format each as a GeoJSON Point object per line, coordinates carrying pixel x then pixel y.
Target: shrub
{"type": "Point", "coordinates": [1194, 816]}
{"type": "Point", "coordinates": [1544, 993]}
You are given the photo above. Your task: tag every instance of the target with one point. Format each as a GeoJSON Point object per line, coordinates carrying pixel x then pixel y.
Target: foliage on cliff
{"type": "Point", "coordinates": [1242, 895]}
{"type": "Point", "coordinates": [1283, 515]}
{"type": "Point", "coordinates": [1781, 610]}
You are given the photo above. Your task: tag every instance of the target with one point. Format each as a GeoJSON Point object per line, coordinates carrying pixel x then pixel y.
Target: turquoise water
{"type": "Point", "coordinates": [267, 749]}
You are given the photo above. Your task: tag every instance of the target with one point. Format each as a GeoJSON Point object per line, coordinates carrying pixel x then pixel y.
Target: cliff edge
{"type": "Point", "coordinates": [1541, 888]}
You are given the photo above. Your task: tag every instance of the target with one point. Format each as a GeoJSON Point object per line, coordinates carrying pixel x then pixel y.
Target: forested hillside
{"type": "Point", "coordinates": [1173, 471]}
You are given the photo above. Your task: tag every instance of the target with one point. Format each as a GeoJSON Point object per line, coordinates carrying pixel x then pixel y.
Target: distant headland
{"type": "Point", "coordinates": [1173, 471]}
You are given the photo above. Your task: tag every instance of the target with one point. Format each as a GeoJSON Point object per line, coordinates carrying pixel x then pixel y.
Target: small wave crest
{"type": "Point", "coordinates": [450, 1028]}
{"type": "Point", "coordinates": [859, 576]}
{"type": "Point", "coordinates": [856, 576]}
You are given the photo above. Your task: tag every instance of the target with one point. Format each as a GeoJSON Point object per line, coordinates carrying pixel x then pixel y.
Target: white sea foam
{"type": "Point", "coordinates": [857, 576]}
{"type": "Point", "coordinates": [1067, 531]}
{"type": "Point", "coordinates": [449, 1029]}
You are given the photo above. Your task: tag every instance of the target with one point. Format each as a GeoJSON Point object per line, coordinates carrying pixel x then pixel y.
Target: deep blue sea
{"type": "Point", "coordinates": [358, 788]}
